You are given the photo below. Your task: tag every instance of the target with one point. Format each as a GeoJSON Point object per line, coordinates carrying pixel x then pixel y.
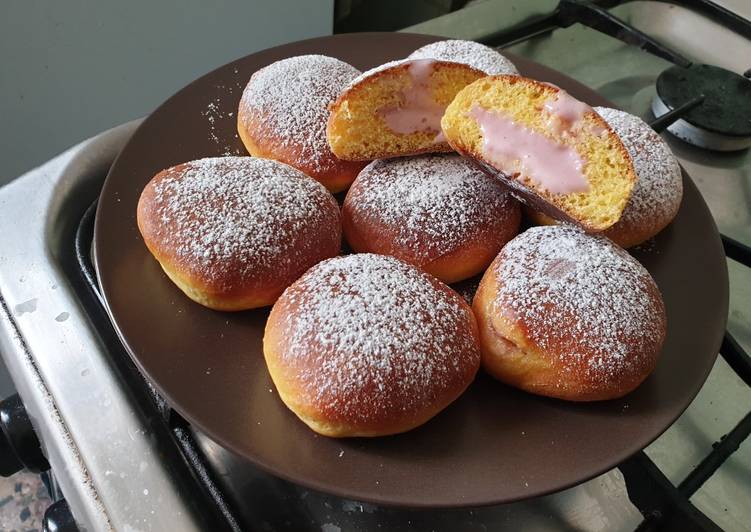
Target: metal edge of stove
{"type": "Point", "coordinates": [66, 384]}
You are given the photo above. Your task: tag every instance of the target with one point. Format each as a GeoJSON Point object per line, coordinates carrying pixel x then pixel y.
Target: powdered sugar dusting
{"type": "Point", "coordinates": [387, 341]}
{"type": "Point", "coordinates": [470, 53]}
{"type": "Point", "coordinates": [392, 64]}
{"type": "Point", "coordinates": [222, 213]}
{"type": "Point", "coordinates": [432, 204]}
{"type": "Point", "coordinates": [375, 70]}
{"type": "Point", "coordinates": [214, 117]}
{"type": "Point", "coordinates": [581, 298]}
{"type": "Point", "coordinates": [289, 99]}
{"type": "Point", "coordinates": [659, 188]}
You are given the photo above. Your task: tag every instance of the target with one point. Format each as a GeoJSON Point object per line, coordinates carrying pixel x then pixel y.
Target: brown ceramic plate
{"type": "Point", "coordinates": [495, 444]}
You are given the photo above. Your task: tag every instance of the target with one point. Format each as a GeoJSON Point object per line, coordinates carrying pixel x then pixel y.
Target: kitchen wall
{"type": "Point", "coordinates": [71, 69]}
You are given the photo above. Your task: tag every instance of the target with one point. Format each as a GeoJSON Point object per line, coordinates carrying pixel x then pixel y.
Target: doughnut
{"type": "Point", "coordinates": [395, 109]}
{"type": "Point", "coordinates": [554, 152]}
{"type": "Point", "coordinates": [367, 345]}
{"type": "Point", "coordinates": [569, 315]}
{"type": "Point", "coordinates": [233, 232]}
{"type": "Point", "coordinates": [283, 113]}
{"type": "Point", "coordinates": [470, 53]}
{"type": "Point", "coordinates": [659, 188]}
{"type": "Point", "coordinates": [437, 212]}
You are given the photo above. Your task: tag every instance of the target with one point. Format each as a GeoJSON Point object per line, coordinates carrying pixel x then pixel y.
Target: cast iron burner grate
{"type": "Point", "coordinates": [721, 117]}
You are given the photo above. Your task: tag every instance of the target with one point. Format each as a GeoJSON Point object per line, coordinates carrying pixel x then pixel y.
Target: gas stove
{"type": "Point", "coordinates": [121, 459]}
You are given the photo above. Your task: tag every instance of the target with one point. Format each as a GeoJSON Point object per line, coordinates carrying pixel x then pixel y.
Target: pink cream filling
{"type": "Point", "coordinates": [513, 148]}
{"type": "Point", "coordinates": [567, 114]}
{"type": "Point", "coordinates": [418, 111]}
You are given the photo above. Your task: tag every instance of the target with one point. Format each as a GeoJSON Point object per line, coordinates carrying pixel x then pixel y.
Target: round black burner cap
{"type": "Point", "coordinates": [727, 105]}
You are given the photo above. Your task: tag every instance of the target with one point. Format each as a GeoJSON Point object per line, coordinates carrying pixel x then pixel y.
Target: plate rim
{"type": "Point", "coordinates": [332, 488]}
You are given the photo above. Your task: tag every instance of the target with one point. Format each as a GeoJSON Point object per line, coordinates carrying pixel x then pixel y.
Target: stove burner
{"type": "Point", "coordinates": [723, 120]}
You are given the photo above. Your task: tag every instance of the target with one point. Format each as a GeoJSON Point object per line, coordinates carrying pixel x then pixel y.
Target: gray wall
{"type": "Point", "coordinates": [70, 69]}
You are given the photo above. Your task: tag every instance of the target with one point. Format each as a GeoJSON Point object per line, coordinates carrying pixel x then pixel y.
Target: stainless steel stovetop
{"type": "Point", "coordinates": [109, 452]}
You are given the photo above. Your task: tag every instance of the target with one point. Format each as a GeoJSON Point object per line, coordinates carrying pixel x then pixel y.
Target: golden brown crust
{"type": "Point", "coordinates": [628, 236]}
{"type": "Point", "coordinates": [283, 113]}
{"type": "Point", "coordinates": [382, 352]}
{"type": "Point", "coordinates": [438, 213]}
{"type": "Point", "coordinates": [333, 173]}
{"type": "Point", "coordinates": [510, 357]}
{"type": "Point", "coordinates": [250, 263]}
{"type": "Point", "coordinates": [576, 357]}
{"type": "Point", "coordinates": [467, 261]}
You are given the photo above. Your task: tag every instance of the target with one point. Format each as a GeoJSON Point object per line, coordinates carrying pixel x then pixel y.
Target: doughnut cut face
{"type": "Point", "coordinates": [367, 345]}
{"type": "Point", "coordinates": [437, 212]}
{"type": "Point", "coordinates": [471, 53]}
{"type": "Point", "coordinates": [395, 109]}
{"type": "Point", "coordinates": [554, 152]}
{"type": "Point", "coordinates": [233, 232]}
{"type": "Point", "coordinates": [283, 114]}
{"type": "Point", "coordinates": [569, 315]}
{"type": "Point", "coordinates": [657, 195]}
